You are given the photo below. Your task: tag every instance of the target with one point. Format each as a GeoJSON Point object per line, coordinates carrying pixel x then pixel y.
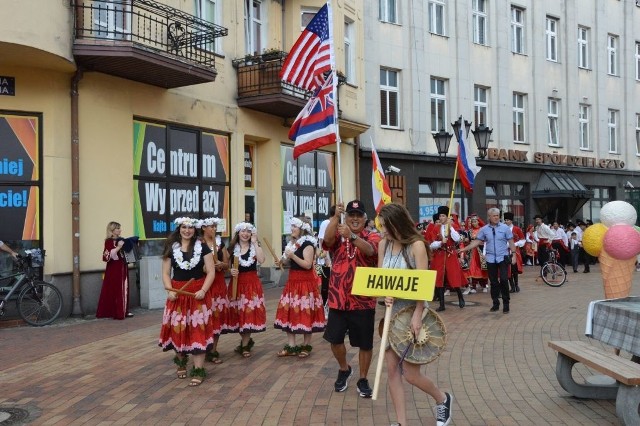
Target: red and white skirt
{"type": "Point", "coordinates": [300, 309]}
{"type": "Point", "coordinates": [219, 304]}
{"type": "Point", "coordinates": [247, 312]}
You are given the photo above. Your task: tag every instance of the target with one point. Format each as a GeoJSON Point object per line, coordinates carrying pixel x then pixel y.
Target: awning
{"type": "Point", "coordinates": [560, 195]}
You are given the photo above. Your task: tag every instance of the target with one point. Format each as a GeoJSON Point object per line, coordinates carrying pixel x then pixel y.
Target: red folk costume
{"type": "Point", "coordinates": [186, 322]}
{"type": "Point", "coordinates": [247, 312]}
{"type": "Point", "coordinates": [218, 293]}
{"type": "Point", "coordinates": [444, 258]}
{"type": "Point", "coordinates": [530, 245]}
{"type": "Point", "coordinates": [476, 270]}
{"type": "Point", "coordinates": [346, 258]}
{"type": "Point", "coordinates": [114, 296]}
{"type": "Point", "coordinates": [519, 241]}
{"type": "Point", "coordinates": [300, 310]}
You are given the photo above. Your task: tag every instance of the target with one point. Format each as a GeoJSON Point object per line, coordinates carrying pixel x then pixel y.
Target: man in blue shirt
{"type": "Point", "coordinates": [500, 254]}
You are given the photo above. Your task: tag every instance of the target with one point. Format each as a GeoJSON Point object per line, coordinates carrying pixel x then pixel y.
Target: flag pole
{"type": "Point", "coordinates": [335, 100]}
{"type": "Point", "coordinates": [453, 189]}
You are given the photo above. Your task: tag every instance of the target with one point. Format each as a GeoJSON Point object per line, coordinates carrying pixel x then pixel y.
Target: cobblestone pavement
{"type": "Point", "coordinates": [498, 367]}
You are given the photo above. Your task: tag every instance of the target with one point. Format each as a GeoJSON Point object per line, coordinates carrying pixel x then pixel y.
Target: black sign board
{"type": "Point", "coordinates": [7, 86]}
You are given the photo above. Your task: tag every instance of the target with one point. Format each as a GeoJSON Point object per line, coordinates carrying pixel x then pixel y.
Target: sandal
{"type": "Point", "coordinates": [288, 351]}
{"type": "Point", "coordinates": [213, 357]}
{"type": "Point", "coordinates": [245, 351]}
{"type": "Point", "coordinates": [305, 351]}
{"type": "Point", "coordinates": [182, 366]}
{"type": "Point", "coordinates": [197, 376]}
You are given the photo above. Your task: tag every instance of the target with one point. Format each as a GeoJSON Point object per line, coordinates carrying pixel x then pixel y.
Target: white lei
{"type": "Point", "coordinates": [183, 264]}
{"type": "Point", "coordinates": [293, 246]}
{"type": "Point", "coordinates": [252, 255]}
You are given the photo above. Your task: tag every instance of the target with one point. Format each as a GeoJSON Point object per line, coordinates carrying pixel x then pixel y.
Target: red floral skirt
{"type": "Point", "coordinates": [300, 309]}
{"type": "Point", "coordinates": [186, 323]}
{"type": "Point", "coordinates": [247, 312]}
{"type": "Point", "coordinates": [219, 304]}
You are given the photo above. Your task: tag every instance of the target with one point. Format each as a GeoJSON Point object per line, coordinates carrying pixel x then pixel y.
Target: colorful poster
{"type": "Point", "coordinates": [19, 177]}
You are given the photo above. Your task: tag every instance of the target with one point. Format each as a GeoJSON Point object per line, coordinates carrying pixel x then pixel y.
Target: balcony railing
{"type": "Point", "coordinates": [260, 88]}
{"type": "Point", "coordinates": [145, 33]}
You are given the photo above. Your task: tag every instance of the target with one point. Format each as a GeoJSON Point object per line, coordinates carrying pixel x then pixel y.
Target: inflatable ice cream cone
{"type": "Point", "coordinates": [616, 275]}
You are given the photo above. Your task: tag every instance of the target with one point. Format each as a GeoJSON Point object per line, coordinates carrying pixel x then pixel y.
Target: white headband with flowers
{"type": "Point", "coordinates": [300, 224]}
{"type": "Point", "coordinates": [188, 221]}
{"type": "Point", "coordinates": [210, 221]}
{"type": "Point", "coordinates": [244, 226]}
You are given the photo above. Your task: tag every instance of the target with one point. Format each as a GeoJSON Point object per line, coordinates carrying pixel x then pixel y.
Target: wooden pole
{"type": "Point", "coordinates": [381, 353]}
{"type": "Point", "coordinates": [275, 258]}
{"type": "Point", "coordinates": [234, 286]}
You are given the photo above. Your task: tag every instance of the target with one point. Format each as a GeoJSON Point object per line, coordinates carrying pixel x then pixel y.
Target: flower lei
{"type": "Point", "coordinates": [252, 255]}
{"type": "Point", "coordinates": [299, 242]}
{"type": "Point", "coordinates": [178, 256]}
{"type": "Point", "coordinates": [347, 249]}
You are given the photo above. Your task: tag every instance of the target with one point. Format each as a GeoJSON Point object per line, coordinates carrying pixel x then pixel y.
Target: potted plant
{"type": "Point", "coordinates": [272, 54]}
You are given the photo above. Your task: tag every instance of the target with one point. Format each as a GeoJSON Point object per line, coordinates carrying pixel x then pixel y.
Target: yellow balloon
{"type": "Point", "coordinates": [592, 239]}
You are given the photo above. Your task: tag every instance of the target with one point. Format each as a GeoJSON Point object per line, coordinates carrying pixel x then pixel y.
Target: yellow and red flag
{"type": "Point", "coordinates": [379, 185]}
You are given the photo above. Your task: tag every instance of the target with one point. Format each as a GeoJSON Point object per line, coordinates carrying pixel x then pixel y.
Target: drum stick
{"type": "Point", "coordinates": [234, 286]}
{"type": "Point", "coordinates": [182, 291]}
{"type": "Point", "coordinates": [381, 353]}
{"type": "Point", "coordinates": [266, 243]}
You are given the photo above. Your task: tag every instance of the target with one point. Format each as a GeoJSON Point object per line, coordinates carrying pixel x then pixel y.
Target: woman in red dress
{"type": "Point", "coordinates": [186, 323]}
{"type": "Point", "coordinates": [477, 265]}
{"type": "Point", "coordinates": [247, 312]}
{"type": "Point", "coordinates": [218, 291]}
{"type": "Point", "coordinates": [300, 310]}
{"type": "Point", "coordinates": [114, 296]}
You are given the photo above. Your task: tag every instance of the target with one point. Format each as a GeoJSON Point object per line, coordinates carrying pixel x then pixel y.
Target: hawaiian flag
{"type": "Point", "coordinates": [310, 56]}
{"type": "Point", "coordinates": [315, 126]}
{"type": "Point", "coordinates": [466, 161]}
{"type": "Point", "coordinates": [379, 185]}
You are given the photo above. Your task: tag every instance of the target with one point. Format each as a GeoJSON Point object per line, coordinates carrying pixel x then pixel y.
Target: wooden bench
{"type": "Point", "coordinates": [625, 391]}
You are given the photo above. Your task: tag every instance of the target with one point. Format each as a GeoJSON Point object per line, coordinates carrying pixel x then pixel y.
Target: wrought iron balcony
{"type": "Point", "coordinates": [260, 88]}
{"type": "Point", "coordinates": [145, 41]}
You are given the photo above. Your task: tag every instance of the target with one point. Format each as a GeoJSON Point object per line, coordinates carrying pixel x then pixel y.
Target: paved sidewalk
{"type": "Point", "coordinates": [498, 367]}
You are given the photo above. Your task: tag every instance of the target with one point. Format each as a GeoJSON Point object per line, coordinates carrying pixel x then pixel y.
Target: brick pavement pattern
{"type": "Point", "coordinates": [498, 367]}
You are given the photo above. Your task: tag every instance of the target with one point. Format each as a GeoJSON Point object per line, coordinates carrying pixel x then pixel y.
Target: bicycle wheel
{"type": "Point", "coordinates": [39, 303]}
{"type": "Point", "coordinates": [553, 274]}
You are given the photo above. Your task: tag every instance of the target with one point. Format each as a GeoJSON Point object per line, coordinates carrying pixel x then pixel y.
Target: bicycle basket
{"type": "Point", "coordinates": [36, 258]}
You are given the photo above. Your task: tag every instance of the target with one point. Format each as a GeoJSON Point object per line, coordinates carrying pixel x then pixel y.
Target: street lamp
{"type": "Point", "coordinates": [456, 128]}
{"type": "Point", "coordinates": [443, 139]}
{"type": "Point", "coordinates": [482, 135]}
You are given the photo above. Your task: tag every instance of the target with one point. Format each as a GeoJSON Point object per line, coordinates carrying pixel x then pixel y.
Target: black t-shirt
{"type": "Point", "coordinates": [299, 252]}
{"type": "Point", "coordinates": [196, 272]}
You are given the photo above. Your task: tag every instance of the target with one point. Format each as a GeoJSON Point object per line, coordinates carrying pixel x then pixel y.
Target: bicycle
{"type": "Point", "coordinates": [552, 273]}
{"type": "Point", "coordinates": [39, 303]}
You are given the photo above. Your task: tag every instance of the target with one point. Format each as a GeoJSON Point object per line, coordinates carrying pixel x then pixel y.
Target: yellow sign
{"type": "Point", "coordinates": [411, 284]}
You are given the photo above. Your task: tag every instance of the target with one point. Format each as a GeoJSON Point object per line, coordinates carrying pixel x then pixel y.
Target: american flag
{"type": "Point", "coordinates": [310, 56]}
{"type": "Point", "coordinates": [315, 126]}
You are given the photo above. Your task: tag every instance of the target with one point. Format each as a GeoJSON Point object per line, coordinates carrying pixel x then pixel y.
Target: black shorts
{"type": "Point", "coordinates": [358, 324]}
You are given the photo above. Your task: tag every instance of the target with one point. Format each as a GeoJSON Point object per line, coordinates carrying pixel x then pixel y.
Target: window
{"type": "Point", "coordinates": [349, 51]}
{"type": "Point", "coordinates": [480, 105]}
{"type": "Point", "coordinates": [518, 117]}
{"type": "Point", "coordinates": [637, 134]}
{"type": "Point", "coordinates": [253, 26]}
{"type": "Point", "coordinates": [207, 11]}
{"type": "Point", "coordinates": [435, 193]}
{"type": "Point", "coordinates": [612, 125]}
{"type": "Point", "coordinates": [508, 197]}
{"type": "Point", "coordinates": [583, 123]}
{"type": "Point", "coordinates": [436, 17]}
{"type": "Point", "coordinates": [552, 117]}
{"type": "Point", "coordinates": [583, 47]}
{"type": "Point", "coordinates": [111, 19]}
{"type": "Point", "coordinates": [438, 105]}
{"type": "Point", "coordinates": [612, 54]}
{"type": "Point", "coordinates": [551, 34]}
{"type": "Point", "coordinates": [601, 196]}
{"type": "Point", "coordinates": [388, 11]}
{"type": "Point", "coordinates": [389, 93]}
{"type": "Point", "coordinates": [517, 30]}
{"type": "Point", "coordinates": [479, 18]}
{"type": "Point", "coordinates": [638, 60]}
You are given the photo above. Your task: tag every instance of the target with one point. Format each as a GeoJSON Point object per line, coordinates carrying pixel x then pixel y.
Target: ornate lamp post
{"type": "Point", "coordinates": [482, 135]}
{"type": "Point", "coordinates": [443, 139]}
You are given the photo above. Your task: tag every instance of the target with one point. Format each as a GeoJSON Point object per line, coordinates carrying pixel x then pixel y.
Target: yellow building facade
{"type": "Point", "coordinates": [140, 120]}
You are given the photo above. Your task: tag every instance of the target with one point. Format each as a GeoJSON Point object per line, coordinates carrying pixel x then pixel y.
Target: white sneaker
{"type": "Point", "coordinates": [473, 291]}
{"type": "Point", "coordinates": [529, 263]}
{"type": "Point", "coordinates": [447, 292]}
{"type": "Point", "coordinates": [466, 291]}
{"type": "Point", "coordinates": [485, 290]}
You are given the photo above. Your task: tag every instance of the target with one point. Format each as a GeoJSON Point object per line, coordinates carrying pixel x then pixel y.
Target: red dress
{"type": "Point", "coordinates": [218, 294]}
{"type": "Point", "coordinates": [517, 236]}
{"type": "Point", "coordinates": [247, 312]}
{"type": "Point", "coordinates": [476, 271]}
{"type": "Point", "coordinates": [300, 310]}
{"type": "Point", "coordinates": [445, 260]}
{"type": "Point", "coordinates": [114, 296]}
{"type": "Point", "coordinates": [186, 323]}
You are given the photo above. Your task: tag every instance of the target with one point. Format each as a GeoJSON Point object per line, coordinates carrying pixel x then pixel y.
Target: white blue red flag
{"type": "Point", "coordinates": [315, 126]}
{"type": "Point", "coordinates": [466, 161]}
{"type": "Point", "coordinates": [310, 56]}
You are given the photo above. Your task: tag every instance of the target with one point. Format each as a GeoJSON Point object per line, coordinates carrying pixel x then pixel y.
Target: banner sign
{"type": "Point", "coordinates": [178, 172]}
{"type": "Point", "coordinates": [7, 86]}
{"type": "Point", "coordinates": [19, 177]}
{"type": "Point", "coordinates": [249, 169]}
{"type": "Point", "coordinates": [410, 284]}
